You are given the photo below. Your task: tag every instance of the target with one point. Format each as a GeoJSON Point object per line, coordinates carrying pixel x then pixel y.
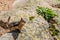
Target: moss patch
{"type": "Point", "coordinates": [31, 18]}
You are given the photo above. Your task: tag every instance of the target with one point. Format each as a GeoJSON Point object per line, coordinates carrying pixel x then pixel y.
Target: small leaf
{"type": "Point", "coordinates": [31, 18]}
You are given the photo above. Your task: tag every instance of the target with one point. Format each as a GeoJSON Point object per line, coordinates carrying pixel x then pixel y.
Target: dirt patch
{"type": "Point", "coordinates": [6, 4]}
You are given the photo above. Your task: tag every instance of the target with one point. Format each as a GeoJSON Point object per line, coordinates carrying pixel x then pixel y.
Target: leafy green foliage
{"type": "Point", "coordinates": [45, 12]}
{"type": "Point", "coordinates": [31, 18]}
{"type": "Point", "coordinates": [52, 28]}
{"type": "Point", "coordinates": [54, 31]}
{"type": "Point", "coordinates": [48, 14]}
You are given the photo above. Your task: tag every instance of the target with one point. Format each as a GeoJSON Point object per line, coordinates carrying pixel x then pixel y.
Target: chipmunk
{"type": "Point", "coordinates": [17, 25]}
{"type": "Point", "coordinates": [12, 26]}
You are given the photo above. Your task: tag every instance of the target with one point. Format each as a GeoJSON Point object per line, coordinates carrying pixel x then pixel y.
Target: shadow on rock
{"type": "Point", "coordinates": [15, 33]}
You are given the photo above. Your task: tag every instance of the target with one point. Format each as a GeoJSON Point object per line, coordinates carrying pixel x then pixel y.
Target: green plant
{"type": "Point", "coordinates": [31, 18]}
{"type": "Point", "coordinates": [58, 0]}
{"type": "Point", "coordinates": [54, 31]}
{"type": "Point", "coordinates": [48, 14]}
{"type": "Point", "coordinates": [45, 12]}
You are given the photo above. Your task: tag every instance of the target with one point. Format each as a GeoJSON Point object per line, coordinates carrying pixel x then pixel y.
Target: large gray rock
{"type": "Point", "coordinates": [32, 30]}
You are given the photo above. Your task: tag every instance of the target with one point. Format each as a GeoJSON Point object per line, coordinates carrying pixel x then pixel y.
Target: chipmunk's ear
{"type": "Point", "coordinates": [22, 20]}
{"type": "Point", "coordinates": [9, 18]}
